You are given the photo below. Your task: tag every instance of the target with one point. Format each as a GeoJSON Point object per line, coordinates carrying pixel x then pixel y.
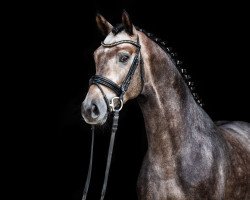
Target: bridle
{"type": "Point", "coordinates": [112, 107]}
{"type": "Point", "coordinates": [118, 90]}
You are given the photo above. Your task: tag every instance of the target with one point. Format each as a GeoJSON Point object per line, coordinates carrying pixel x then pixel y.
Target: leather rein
{"type": "Point", "coordinates": [112, 108]}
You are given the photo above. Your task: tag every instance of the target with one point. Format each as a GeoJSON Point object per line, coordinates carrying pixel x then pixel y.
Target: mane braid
{"type": "Point", "coordinates": [177, 62]}
{"type": "Point", "coordinates": [173, 55]}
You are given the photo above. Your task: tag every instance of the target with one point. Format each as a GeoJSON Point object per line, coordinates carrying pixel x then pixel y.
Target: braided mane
{"type": "Point", "coordinates": [173, 55]}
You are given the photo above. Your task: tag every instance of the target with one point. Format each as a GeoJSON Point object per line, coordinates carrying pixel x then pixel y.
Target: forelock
{"type": "Point", "coordinates": [117, 34]}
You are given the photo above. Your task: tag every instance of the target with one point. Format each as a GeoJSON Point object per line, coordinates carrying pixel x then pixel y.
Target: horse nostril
{"type": "Point", "coordinates": [94, 111]}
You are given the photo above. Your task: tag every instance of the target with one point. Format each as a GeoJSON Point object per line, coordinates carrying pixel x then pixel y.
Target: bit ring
{"type": "Point", "coordinates": [112, 104]}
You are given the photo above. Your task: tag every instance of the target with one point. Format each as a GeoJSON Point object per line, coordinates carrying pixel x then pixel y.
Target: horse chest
{"type": "Point", "coordinates": [165, 181]}
{"type": "Point", "coordinates": [152, 186]}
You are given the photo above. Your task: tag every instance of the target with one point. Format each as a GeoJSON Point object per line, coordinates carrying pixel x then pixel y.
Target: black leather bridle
{"type": "Point", "coordinates": [118, 90]}
{"type": "Point", "coordinates": [112, 107]}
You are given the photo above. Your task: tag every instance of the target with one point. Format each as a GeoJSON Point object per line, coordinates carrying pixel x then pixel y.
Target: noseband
{"type": "Point", "coordinates": [119, 91]}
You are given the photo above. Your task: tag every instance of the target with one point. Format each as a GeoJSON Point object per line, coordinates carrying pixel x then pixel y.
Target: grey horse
{"type": "Point", "coordinates": [189, 156]}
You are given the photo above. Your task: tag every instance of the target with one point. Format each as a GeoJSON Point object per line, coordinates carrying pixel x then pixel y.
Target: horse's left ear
{"type": "Point", "coordinates": [127, 23]}
{"type": "Point", "coordinates": [104, 26]}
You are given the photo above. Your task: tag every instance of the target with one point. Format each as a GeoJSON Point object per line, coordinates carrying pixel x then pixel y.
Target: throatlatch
{"type": "Point", "coordinates": [112, 107]}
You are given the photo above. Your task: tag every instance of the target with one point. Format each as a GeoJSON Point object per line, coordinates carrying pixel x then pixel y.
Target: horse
{"type": "Point", "coordinates": [189, 156]}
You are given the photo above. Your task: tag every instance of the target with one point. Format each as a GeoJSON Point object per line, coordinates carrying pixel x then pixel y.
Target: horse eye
{"type": "Point", "coordinates": [123, 58]}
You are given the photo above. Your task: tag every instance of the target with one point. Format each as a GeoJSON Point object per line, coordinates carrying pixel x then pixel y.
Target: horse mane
{"type": "Point", "coordinates": [173, 55]}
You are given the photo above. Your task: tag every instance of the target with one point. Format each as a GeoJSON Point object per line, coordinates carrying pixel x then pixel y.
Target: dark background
{"type": "Point", "coordinates": [213, 41]}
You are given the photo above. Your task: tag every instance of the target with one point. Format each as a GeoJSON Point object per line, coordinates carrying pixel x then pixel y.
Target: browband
{"type": "Point", "coordinates": [121, 42]}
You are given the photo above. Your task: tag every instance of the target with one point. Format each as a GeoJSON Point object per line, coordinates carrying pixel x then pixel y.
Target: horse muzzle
{"type": "Point", "coordinates": [94, 110]}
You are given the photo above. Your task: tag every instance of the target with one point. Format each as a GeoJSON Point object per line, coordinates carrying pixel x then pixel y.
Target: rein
{"type": "Point", "coordinates": [119, 91]}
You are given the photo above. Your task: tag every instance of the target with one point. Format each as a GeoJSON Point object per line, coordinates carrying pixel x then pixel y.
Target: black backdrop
{"type": "Point", "coordinates": [213, 41]}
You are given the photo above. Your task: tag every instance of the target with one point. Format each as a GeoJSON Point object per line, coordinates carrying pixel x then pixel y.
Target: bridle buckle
{"type": "Point", "coordinates": [112, 105]}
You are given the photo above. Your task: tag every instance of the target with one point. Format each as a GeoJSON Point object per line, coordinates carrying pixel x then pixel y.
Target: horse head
{"type": "Point", "coordinates": [118, 70]}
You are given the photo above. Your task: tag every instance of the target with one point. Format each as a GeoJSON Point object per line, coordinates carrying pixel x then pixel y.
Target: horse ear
{"type": "Point", "coordinates": [127, 23]}
{"type": "Point", "coordinates": [104, 26]}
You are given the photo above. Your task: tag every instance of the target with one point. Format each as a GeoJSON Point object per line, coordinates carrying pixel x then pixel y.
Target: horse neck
{"type": "Point", "coordinates": [169, 109]}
